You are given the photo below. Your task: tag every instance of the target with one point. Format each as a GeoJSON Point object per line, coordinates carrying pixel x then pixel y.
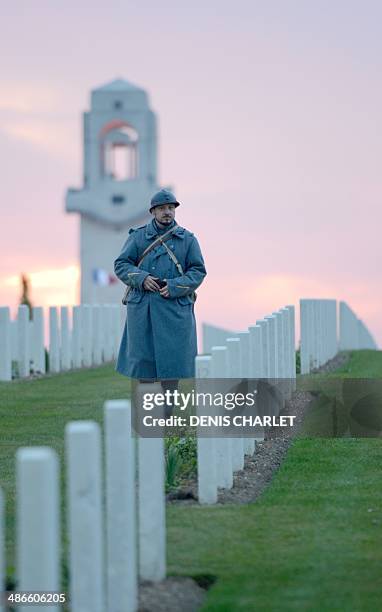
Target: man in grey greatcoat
{"type": "Point", "coordinates": [159, 338]}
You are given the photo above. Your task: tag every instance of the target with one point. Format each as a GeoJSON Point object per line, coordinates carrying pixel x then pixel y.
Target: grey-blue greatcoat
{"type": "Point", "coordinates": [159, 338]}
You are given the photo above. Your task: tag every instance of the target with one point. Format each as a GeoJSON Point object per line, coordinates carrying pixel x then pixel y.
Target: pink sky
{"type": "Point", "coordinates": [270, 130]}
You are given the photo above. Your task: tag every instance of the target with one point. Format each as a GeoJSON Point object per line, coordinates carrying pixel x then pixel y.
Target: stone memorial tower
{"type": "Point", "coordinates": [120, 176]}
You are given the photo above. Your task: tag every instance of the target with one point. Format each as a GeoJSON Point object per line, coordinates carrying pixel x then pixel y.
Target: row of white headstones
{"type": "Point", "coordinates": [91, 339]}
{"type": "Point", "coordinates": [265, 350]}
{"type": "Point", "coordinates": [103, 543]}
{"type": "Point", "coordinates": [320, 339]}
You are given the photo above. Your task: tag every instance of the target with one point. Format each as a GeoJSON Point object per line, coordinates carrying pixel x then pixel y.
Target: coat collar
{"type": "Point", "coordinates": [151, 231]}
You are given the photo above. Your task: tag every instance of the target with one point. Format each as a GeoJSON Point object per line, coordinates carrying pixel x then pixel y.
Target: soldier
{"type": "Point", "coordinates": [162, 264]}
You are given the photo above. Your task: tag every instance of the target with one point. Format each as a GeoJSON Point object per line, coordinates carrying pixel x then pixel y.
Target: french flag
{"type": "Point", "coordinates": [102, 278]}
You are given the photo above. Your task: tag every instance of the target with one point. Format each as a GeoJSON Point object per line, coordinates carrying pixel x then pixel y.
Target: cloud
{"type": "Point", "coordinates": [51, 137]}
{"type": "Point", "coordinates": [29, 97]}
{"type": "Point", "coordinates": [34, 113]}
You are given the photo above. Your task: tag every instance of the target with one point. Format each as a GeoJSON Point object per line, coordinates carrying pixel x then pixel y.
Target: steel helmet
{"type": "Point", "coordinates": [164, 196]}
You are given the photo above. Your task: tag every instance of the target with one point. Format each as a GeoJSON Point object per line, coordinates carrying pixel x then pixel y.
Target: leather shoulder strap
{"type": "Point", "coordinates": [159, 240]}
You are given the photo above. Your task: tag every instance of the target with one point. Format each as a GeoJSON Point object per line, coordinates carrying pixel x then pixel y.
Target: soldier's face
{"type": "Point", "coordinates": [164, 214]}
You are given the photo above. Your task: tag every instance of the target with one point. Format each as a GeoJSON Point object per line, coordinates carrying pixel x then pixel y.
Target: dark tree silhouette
{"type": "Point", "coordinates": [25, 299]}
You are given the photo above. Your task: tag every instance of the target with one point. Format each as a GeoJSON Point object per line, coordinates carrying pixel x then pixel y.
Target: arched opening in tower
{"type": "Point", "coordinates": [119, 151]}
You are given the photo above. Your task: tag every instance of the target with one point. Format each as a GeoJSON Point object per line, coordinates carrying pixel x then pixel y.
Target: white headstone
{"type": "Point", "coordinates": [292, 341]}
{"type": "Point", "coordinates": [273, 356]}
{"type": "Point", "coordinates": [97, 328]}
{"type": "Point", "coordinates": [223, 445]}
{"type": "Point", "coordinates": [65, 345]}
{"type": "Point", "coordinates": [87, 335]}
{"type": "Point", "coordinates": [23, 341]}
{"type": "Point", "coordinates": [107, 340]}
{"type": "Point", "coordinates": [14, 340]}
{"type": "Point", "coordinates": [280, 355]}
{"type": "Point", "coordinates": [38, 522]}
{"type": "Point", "coordinates": [245, 369]}
{"type": "Point", "coordinates": [86, 553]}
{"type": "Point", "coordinates": [38, 340]}
{"type": "Point", "coordinates": [207, 469]}
{"type": "Point", "coordinates": [258, 348]}
{"type": "Point", "coordinates": [152, 509]}
{"type": "Point", "coordinates": [77, 337]}
{"type": "Point", "coordinates": [234, 372]}
{"type": "Point", "coordinates": [287, 367]}
{"type": "Point", "coordinates": [264, 324]}
{"type": "Point", "coordinates": [279, 344]}
{"type": "Point", "coordinates": [306, 330]}
{"type": "Point", "coordinates": [5, 344]}
{"type": "Point", "coordinates": [121, 524]}
{"type": "Point", "coordinates": [54, 345]}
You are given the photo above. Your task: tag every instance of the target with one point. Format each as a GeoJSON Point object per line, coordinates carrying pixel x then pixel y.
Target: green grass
{"type": "Point", "coordinates": [311, 542]}
{"type": "Point", "coordinates": [348, 400]}
{"type": "Point", "coordinates": [362, 364]}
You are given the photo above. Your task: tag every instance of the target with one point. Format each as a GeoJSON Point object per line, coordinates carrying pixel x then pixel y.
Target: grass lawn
{"type": "Point", "coordinates": [362, 364]}
{"type": "Point", "coordinates": [313, 541]}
